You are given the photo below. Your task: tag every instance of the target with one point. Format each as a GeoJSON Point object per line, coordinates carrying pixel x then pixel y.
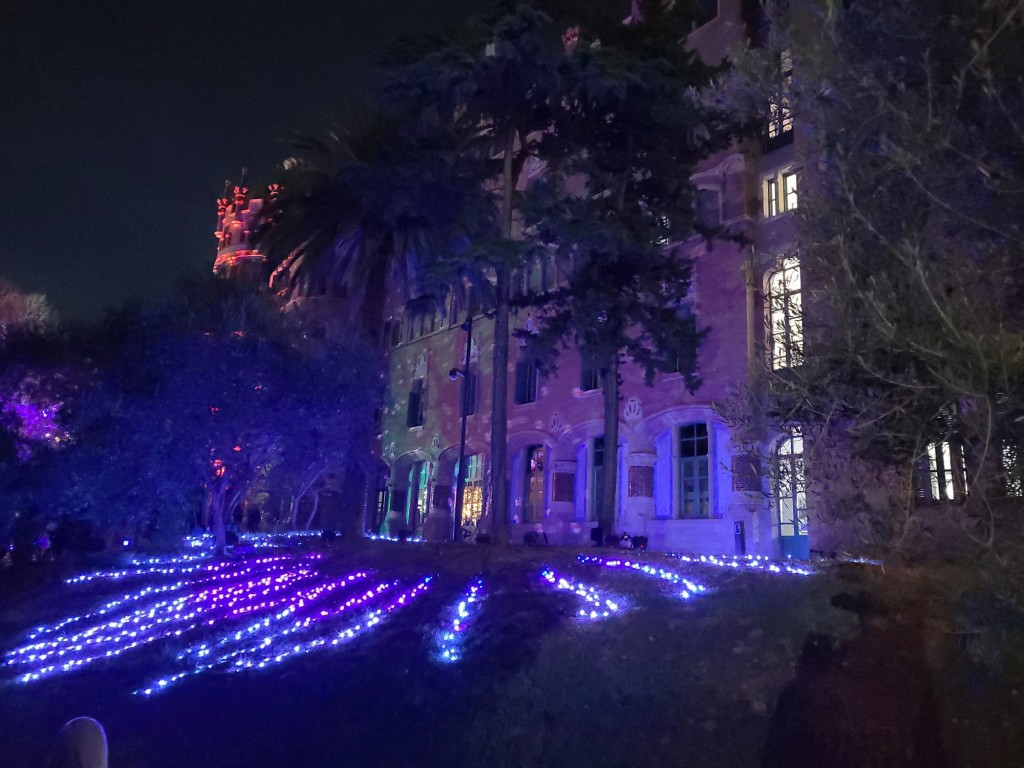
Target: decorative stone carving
{"type": "Point", "coordinates": [419, 368]}
{"type": "Point", "coordinates": [634, 410]}
{"type": "Point", "coordinates": [392, 450]}
{"type": "Point", "coordinates": [435, 442]}
{"type": "Point", "coordinates": [557, 422]}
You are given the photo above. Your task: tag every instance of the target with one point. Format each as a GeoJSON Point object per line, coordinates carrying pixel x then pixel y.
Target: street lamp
{"type": "Point", "coordinates": [454, 374]}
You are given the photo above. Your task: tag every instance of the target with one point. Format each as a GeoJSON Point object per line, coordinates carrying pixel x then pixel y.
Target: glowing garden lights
{"type": "Point", "coordinates": [746, 562]}
{"type": "Point", "coordinates": [266, 643]}
{"type": "Point", "coordinates": [595, 605]}
{"type": "Point", "coordinates": [690, 588]}
{"type": "Point", "coordinates": [448, 640]}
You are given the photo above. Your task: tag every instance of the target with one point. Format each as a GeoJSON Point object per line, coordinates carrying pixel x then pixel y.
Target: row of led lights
{"type": "Point", "coordinates": [146, 625]}
{"type": "Point", "coordinates": [449, 640]}
{"type": "Point", "coordinates": [746, 562]}
{"type": "Point", "coordinates": [241, 570]}
{"type": "Point", "coordinates": [277, 641]}
{"type": "Point", "coordinates": [595, 604]}
{"type": "Point", "coordinates": [690, 588]}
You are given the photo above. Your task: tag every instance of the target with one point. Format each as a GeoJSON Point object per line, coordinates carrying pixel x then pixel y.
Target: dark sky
{"type": "Point", "coordinates": [119, 122]}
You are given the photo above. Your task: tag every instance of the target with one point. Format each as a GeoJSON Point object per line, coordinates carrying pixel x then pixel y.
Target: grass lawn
{"type": "Point", "coordinates": [663, 682]}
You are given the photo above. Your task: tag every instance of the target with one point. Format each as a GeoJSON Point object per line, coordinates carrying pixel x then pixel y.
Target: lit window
{"type": "Point", "coordinates": [780, 194]}
{"type": "Point", "coordinates": [789, 191]}
{"type": "Point", "coordinates": [771, 197]}
{"type": "Point", "coordinates": [941, 472]}
{"type": "Point", "coordinates": [789, 485]}
{"type": "Point", "coordinates": [472, 490]}
{"type": "Point", "coordinates": [694, 481]}
{"type": "Point", "coordinates": [780, 112]}
{"type": "Point", "coordinates": [785, 315]}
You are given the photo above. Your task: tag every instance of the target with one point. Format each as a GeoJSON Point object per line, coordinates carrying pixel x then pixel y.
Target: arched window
{"type": "Point", "coordinates": [785, 314]}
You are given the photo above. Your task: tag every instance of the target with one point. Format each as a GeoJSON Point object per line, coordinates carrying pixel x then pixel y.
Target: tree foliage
{"type": "Point", "coordinates": [910, 118]}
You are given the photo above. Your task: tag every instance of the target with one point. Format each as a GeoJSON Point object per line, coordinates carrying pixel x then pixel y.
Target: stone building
{"type": "Point", "coordinates": [691, 476]}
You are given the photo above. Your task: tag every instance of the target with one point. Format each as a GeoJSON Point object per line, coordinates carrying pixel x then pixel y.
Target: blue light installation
{"type": "Point", "coordinates": [448, 641]}
{"type": "Point", "coordinates": [690, 587]}
{"type": "Point", "coordinates": [595, 605]}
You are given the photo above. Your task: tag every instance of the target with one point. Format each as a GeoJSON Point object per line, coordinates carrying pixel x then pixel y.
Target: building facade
{"type": "Point", "coordinates": [694, 474]}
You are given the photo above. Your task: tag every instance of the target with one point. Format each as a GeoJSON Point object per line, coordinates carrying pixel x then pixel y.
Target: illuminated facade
{"type": "Point", "coordinates": [689, 479]}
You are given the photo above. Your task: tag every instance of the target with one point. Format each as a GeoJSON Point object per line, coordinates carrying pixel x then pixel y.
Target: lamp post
{"type": "Point", "coordinates": [454, 374]}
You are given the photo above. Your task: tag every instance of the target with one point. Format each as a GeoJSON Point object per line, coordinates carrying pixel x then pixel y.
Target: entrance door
{"type": "Point", "coordinates": [791, 496]}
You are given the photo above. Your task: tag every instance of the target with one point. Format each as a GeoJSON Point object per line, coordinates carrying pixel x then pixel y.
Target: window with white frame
{"type": "Point", "coordinates": [780, 193]}
{"type": "Point", "coordinates": [785, 314]}
{"type": "Point", "coordinates": [694, 477]}
{"type": "Point", "coordinates": [789, 488]}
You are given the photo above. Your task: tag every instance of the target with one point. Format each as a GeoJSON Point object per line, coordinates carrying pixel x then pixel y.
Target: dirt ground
{"type": "Point", "coordinates": [854, 665]}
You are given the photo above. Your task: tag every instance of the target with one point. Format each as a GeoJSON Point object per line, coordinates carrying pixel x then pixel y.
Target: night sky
{"type": "Point", "coordinates": [119, 123]}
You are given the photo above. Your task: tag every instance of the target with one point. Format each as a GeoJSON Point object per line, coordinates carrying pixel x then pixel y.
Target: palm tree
{"type": "Point", "coordinates": [360, 216]}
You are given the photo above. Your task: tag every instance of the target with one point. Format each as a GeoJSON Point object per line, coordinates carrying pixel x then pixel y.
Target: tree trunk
{"type": "Point", "coordinates": [217, 519]}
{"type": "Point", "coordinates": [610, 485]}
{"type": "Point", "coordinates": [312, 514]}
{"type": "Point", "coordinates": [499, 391]}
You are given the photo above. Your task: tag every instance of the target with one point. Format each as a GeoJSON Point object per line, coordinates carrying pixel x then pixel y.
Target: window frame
{"type": "Point", "coordinates": [789, 452]}
{"type": "Point", "coordinates": [696, 466]}
{"type": "Point", "coordinates": [784, 313]}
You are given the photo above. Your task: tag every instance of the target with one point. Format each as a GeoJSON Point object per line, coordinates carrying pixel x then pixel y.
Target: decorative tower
{"type": "Point", "coordinates": [236, 258]}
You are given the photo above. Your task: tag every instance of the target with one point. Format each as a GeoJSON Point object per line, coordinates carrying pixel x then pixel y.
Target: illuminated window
{"type": "Point", "coordinates": [785, 315]}
{"type": "Point", "coordinates": [780, 112]}
{"type": "Point", "coordinates": [472, 490]}
{"type": "Point", "coordinates": [771, 197]}
{"type": "Point", "coordinates": [942, 475]}
{"type": "Point", "coordinates": [789, 198]}
{"type": "Point", "coordinates": [694, 480]}
{"type": "Point", "coordinates": [780, 194]}
{"type": "Point", "coordinates": [789, 485]}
